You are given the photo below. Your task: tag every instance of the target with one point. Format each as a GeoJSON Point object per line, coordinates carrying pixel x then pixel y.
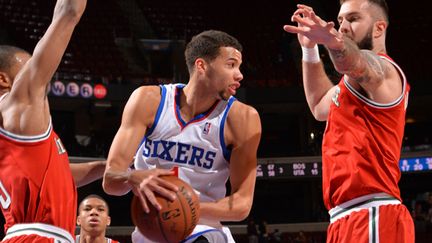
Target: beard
{"type": "Point", "coordinates": [366, 43]}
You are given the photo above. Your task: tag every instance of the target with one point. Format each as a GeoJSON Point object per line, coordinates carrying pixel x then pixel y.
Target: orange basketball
{"type": "Point", "coordinates": [175, 221]}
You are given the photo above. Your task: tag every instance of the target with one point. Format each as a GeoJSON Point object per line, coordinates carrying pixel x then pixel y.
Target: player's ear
{"type": "Point", "coordinates": [5, 81]}
{"type": "Point", "coordinates": [78, 220]}
{"type": "Point", "coordinates": [379, 28]}
{"type": "Point", "coordinates": [108, 220]}
{"type": "Point", "coordinates": [200, 65]}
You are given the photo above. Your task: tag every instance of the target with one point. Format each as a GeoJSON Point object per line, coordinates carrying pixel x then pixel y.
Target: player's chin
{"type": "Point", "coordinates": [225, 95]}
{"type": "Point", "coordinates": [94, 224]}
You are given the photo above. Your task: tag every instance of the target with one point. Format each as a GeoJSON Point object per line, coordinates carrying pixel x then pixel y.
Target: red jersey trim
{"type": "Point", "coordinates": [376, 104]}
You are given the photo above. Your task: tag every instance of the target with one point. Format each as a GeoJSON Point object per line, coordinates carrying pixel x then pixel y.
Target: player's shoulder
{"type": "Point", "coordinates": [148, 91]}
{"type": "Point", "coordinates": [148, 94]}
{"type": "Point", "coordinates": [242, 110]}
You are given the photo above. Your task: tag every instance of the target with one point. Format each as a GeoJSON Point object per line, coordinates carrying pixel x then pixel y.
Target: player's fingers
{"type": "Point", "coordinates": [330, 25]}
{"type": "Point", "coordinates": [169, 194]}
{"type": "Point", "coordinates": [166, 184]}
{"type": "Point", "coordinates": [146, 180]}
{"type": "Point", "coordinates": [143, 202]}
{"type": "Point", "coordinates": [315, 18]}
{"type": "Point", "coordinates": [302, 22]}
{"type": "Point", "coordinates": [160, 172]}
{"type": "Point", "coordinates": [291, 29]}
{"type": "Point", "coordinates": [151, 197]}
{"type": "Point", "coordinates": [302, 12]}
{"type": "Point", "coordinates": [302, 6]}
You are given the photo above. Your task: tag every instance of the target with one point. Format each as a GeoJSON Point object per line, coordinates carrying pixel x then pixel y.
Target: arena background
{"type": "Point", "coordinates": [122, 44]}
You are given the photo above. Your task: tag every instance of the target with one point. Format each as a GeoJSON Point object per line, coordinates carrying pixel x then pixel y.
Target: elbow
{"type": "Point", "coordinates": [243, 211]}
{"type": "Point", "coordinates": [319, 115]}
{"type": "Point", "coordinates": [107, 187]}
{"type": "Point", "coordinates": [115, 190]}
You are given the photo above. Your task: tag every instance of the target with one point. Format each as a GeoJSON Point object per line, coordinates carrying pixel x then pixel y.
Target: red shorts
{"type": "Point", "coordinates": [35, 233]}
{"type": "Point", "coordinates": [377, 220]}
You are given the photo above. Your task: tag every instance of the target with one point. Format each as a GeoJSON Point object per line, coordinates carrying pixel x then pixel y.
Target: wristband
{"type": "Point", "coordinates": [311, 55]}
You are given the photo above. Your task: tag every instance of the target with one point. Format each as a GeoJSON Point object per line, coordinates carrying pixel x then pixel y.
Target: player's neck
{"type": "Point", "coordinates": [92, 239]}
{"type": "Point", "coordinates": [195, 100]}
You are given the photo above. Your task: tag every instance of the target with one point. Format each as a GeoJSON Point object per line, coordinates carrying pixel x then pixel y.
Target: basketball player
{"type": "Point", "coordinates": [365, 114]}
{"type": "Point", "coordinates": [199, 130]}
{"type": "Point", "coordinates": [37, 191]}
{"type": "Point", "coordinates": [93, 219]}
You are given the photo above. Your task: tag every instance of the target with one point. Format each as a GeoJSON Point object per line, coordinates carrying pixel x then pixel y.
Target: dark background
{"type": "Point", "coordinates": [110, 46]}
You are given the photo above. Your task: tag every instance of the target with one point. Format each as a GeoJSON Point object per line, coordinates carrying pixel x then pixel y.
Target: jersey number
{"type": "Point", "coordinates": [5, 199]}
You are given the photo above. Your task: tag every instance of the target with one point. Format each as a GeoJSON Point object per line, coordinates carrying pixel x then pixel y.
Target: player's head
{"type": "Point", "coordinates": [364, 21]}
{"type": "Point", "coordinates": [12, 59]}
{"type": "Point", "coordinates": [93, 215]}
{"type": "Point", "coordinates": [216, 56]}
{"type": "Point", "coordinates": [207, 44]}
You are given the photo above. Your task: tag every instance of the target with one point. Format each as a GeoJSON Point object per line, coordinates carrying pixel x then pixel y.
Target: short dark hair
{"type": "Point", "coordinates": [382, 4]}
{"type": "Point", "coordinates": [207, 45]}
{"type": "Point", "coordinates": [7, 54]}
{"type": "Point", "coordinates": [94, 196]}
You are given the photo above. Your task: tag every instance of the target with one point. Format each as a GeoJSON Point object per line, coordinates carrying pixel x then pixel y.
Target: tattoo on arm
{"type": "Point", "coordinates": [359, 65]}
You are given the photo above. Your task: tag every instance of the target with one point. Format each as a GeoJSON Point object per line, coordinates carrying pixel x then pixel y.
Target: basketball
{"type": "Point", "coordinates": [175, 221]}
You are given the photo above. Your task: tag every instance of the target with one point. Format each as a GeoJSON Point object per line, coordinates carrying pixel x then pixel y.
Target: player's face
{"type": "Point", "coordinates": [224, 72]}
{"type": "Point", "coordinates": [356, 22]}
{"type": "Point", "coordinates": [93, 215]}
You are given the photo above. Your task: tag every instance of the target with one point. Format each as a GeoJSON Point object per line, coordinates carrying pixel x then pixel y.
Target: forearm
{"type": "Point", "coordinates": [116, 182]}
{"type": "Point", "coordinates": [316, 85]}
{"type": "Point", "coordinates": [231, 208]}
{"type": "Point", "coordinates": [348, 60]}
{"type": "Point", "coordinates": [85, 173]}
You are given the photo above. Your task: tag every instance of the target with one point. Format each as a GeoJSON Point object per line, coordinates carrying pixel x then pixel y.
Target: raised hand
{"type": "Point", "coordinates": [311, 29]}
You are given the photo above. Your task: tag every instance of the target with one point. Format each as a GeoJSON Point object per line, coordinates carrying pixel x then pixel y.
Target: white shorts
{"type": "Point", "coordinates": [213, 235]}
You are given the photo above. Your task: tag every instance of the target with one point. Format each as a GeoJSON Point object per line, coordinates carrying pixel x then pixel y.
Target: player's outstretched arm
{"type": "Point", "coordinates": [312, 30]}
{"type": "Point", "coordinates": [27, 110]}
{"type": "Point", "coordinates": [87, 172]}
{"type": "Point", "coordinates": [30, 83]}
{"type": "Point", "coordinates": [243, 133]}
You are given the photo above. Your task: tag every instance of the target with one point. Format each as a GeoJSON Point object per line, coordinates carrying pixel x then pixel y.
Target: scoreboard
{"type": "Point", "coordinates": [416, 164]}
{"type": "Point", "coordinates": [290, 170]}
{"type": "Point", "coordinates": [310, 167]}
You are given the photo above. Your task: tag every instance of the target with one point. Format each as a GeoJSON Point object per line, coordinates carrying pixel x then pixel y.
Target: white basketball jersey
{"type": "Point", "coordinates": [197, 147]}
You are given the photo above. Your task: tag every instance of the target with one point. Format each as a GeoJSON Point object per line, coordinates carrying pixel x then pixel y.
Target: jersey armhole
{"type": "Point", "coordinates": [159, 110]}
{"type": "Point", "coordinates": [226, 152]}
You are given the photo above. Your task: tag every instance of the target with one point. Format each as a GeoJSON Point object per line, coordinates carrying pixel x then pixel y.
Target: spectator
{"type": "Point", "coordinates": [93, 217]}
{"type": "Point", "coordinates": [252, 231]}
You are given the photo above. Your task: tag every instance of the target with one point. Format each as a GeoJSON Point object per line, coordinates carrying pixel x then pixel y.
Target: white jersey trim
{"type": "Point", "coordinates": [159, 110]}
{"type": "Point", "coordinates": [27, 139]}
{"type": "Point", "coordinates": [361, 203]}
{"type": "Point", "coordinates": [225, 150]}
{"type": "Point", "coordinates": [376, 104]}
{"type": "Point", "coordinates": [24, 138]}
{"type": "Point", "coordinates": [44, 230]}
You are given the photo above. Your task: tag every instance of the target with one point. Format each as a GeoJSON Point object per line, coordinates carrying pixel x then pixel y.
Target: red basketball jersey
{"type": "Point", "coordinates": [362, 144]}
{"type": "Point", "coordinates": [36, 184]}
